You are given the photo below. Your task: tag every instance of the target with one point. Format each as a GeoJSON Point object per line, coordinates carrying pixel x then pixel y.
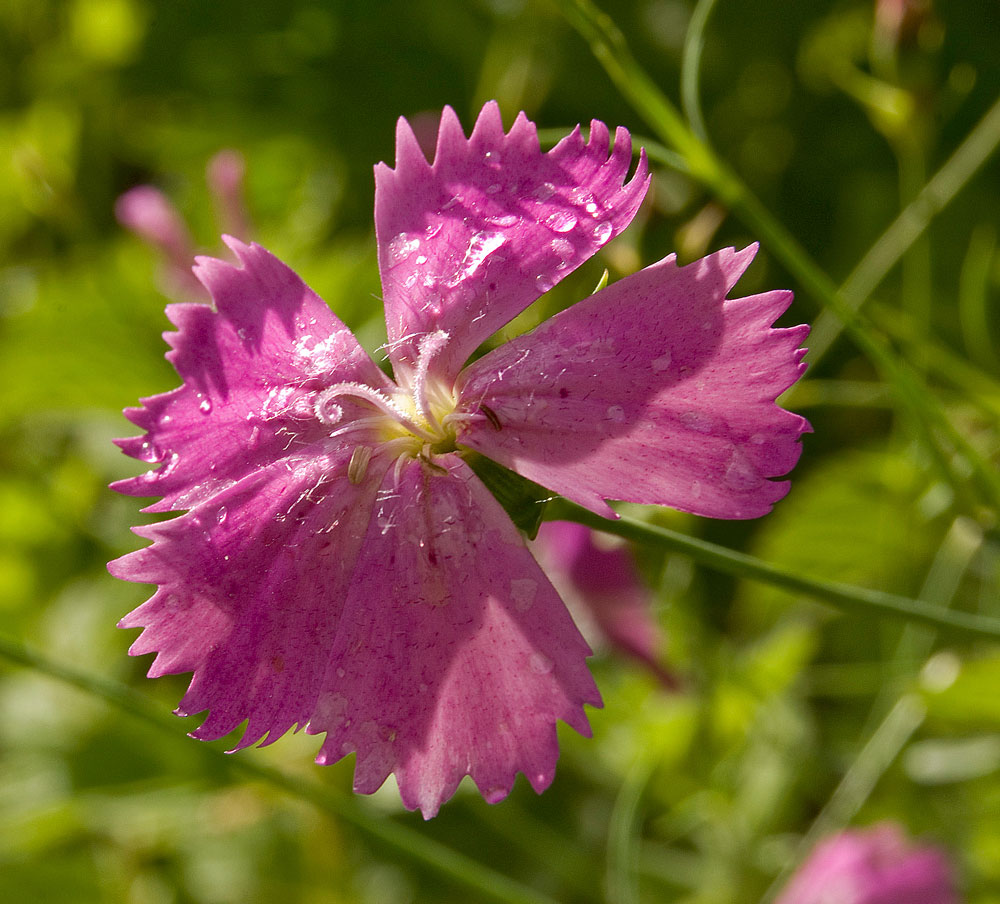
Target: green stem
{"type": "Point", "coordinates": [974, 314]}
{"type": "Point", "coordinates": [976, 385]}
{"type": "Point", "coordinates": [611, 50]}
{"type": "Point", "coordinates": [977, 147]}
{"type": "Point", "coordinates": [624, 835]}
{"type": "Point", "coordinates": [694, 42]}
{"type": "Point", "coordinates": [844, 596]}
{"type": "Point", "coordinates": [858, 782]}
{"type": "Point", "coordinates": [416, 847]}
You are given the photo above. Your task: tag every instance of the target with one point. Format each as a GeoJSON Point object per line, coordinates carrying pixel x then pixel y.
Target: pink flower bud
{"type": "Point", "coordinates": [872, 866]}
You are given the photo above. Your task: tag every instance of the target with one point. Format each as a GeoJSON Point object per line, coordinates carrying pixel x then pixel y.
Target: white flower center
{"type": "Point", "coordinates": [417, 418]}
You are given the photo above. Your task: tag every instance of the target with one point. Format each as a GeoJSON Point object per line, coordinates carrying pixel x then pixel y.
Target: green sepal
{"type": "Point", "coordinates": [522, 499]}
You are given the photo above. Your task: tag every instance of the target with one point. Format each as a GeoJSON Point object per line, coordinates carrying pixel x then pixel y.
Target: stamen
{"type": "Point", "coordinates": [358, 464]}
{"type": "Point", "coordinates": [330, 413]}
{"type": "Point", "coordinates": [430, 345]}
{"type": "Point", "coordinates": [361, 423]}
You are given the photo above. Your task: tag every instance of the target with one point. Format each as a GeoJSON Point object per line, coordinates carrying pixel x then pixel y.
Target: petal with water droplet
{"type": "Point", "coordinates": [497, 673]}
{"type": "Point", "coordinates": [644, 403]}
{"type": "Point", "coordinates": [483, 284]}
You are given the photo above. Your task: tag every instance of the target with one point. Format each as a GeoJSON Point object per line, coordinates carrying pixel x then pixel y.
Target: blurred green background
{"type": "Point", "coordinates": [793, 720]}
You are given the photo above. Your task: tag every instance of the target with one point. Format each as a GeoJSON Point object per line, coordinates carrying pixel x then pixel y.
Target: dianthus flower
{"type": "Point", "coordinates": [601, 585]}
{"type": "Point", "coordinates": [872, 866]}
{"type": "Point", "coordinates": [338, 565]}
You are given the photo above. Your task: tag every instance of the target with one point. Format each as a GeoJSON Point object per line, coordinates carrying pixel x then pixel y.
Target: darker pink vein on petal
{"type": "Point", "coordinates": [252, 586]}
{"type": "Point", "coordinates": [656, 390]}
{"type": "Point", "coordinates": [250, 370]}
{"type": "Point", "coordinates": [467, 243]}
{"type": "Point", "coordinates": [454, 654]}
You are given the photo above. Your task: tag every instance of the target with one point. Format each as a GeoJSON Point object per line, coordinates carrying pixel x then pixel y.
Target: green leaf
{"type": "Point", "coordinates": [523, 500]}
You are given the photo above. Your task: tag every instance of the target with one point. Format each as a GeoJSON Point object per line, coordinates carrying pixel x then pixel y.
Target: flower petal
{"type": "Point", "coordinates": [251, 588]}
{"type": "Point", "coordinates": [454, 656]}
{"type": "Point", "coordinates": [469, 242]}
{"type": "Point", "coordinates": [250, 370]}
{"type": "Point", "coordinates": [657, 389]}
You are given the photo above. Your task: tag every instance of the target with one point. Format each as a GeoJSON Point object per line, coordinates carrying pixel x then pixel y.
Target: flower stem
{"type": "Point", "coordinates": [857, 784]}
{"type": "Point", "coordinates": [487, 883]}
{"type": "Point", "coordinates": [929, 420]}
{"type": "Point", "coordinates": [694, 42]}
{"type": "Point", "coordinates": [977, 147]}
{"type": "Point", "coordinates": [843, 596]}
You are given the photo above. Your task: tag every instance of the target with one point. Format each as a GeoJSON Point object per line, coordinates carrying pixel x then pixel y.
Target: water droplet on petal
{"type": "Point", "coordinates": [602, 232]}
{"type": "Point", "coordinates": [545, 191]}
{"type": "Point", "coordinates": [565, 252]}
{"type": "Point", "coordinates": [170, 465]}
{"type": "Point", "coordinates": [540, 664]}
{"type": "Point", "coordinates": [400, 248]}
{"type": "Point", "coordinates": [740, 472]}
{"type": "Point", "coordinates": [280, 516]}
{"type": "Point", "coordinates": [561, 221]}
{"type": "Point", "coordinates": [662, 363]}
{"type": "Point", "coordinates": [522, 592]}
{"type": "Point", "coordinates": [616, 413]}
{"type": "Point", "coordinates": [502, 220]}
{"type": "Point", "coordinates": [563, 247]}
{"type": "Point", "coordinates": [205, 405]}
{"type": "Point", "coordinates": [481, 246]}
{"type": "Point", "coordinates": [493, 189]}
{"type": "Point", "coordinates": [592, 209]}
{"type": "Point", "coordinates": [544, 282]}
{"type": "Point", "coordinates": [495, 795]}
{"type": "Point", "coordinates": [341, 673]}
{"type": "Point", "coordinates": [150, 452]}
{"type": "Point", "coordinates": [698, 421]}
{"type": "Point", "coordinates": [221, 514]}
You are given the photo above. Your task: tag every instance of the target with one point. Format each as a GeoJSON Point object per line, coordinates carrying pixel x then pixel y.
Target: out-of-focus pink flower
{"type": "Point", "coordinates": [872, 866]}
{"type": "Point", "coordinates": [339, 566]}
{"type": "Point", "coordinates": [897, 21]}
{"type": "Point", "coordinates": [603, 582]}
{"type": "Point", "coordinates": [152, 216]}
{"type": "Point", "coordinates": [226, 175]}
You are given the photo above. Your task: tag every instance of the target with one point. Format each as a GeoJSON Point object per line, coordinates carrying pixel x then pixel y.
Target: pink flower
{"type": "Point", "coordinates": [873, 866]}
{"type": "Point", "coordinates": [150, 214]}
{"type": "Point", "coordinates": [339, 567]}
{"type": "Point", "coordinates": [147, 212]}
{"type": "Point", "coordinates": [603, 583]}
